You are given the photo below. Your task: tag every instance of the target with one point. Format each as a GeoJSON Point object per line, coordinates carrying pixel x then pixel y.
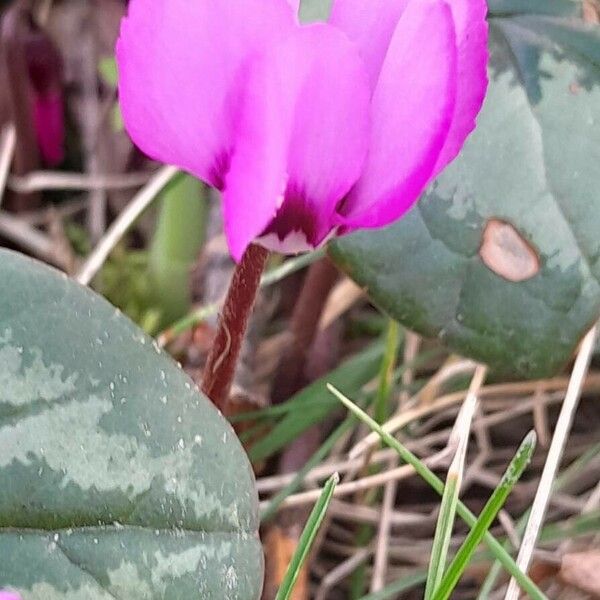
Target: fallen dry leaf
{"type": "Point", "coordinates": [582, 570]}
{"type": "Point", "coordinates": [279, 549]}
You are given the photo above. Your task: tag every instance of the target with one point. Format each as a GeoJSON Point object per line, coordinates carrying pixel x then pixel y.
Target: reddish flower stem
{"type": "Point", "coordinates": [241, 296]}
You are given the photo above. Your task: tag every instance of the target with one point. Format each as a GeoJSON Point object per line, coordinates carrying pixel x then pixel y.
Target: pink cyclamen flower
{"type": "Point", "coordinates": [9, 596]}
{"type": "Point", "coordinates": [45, 73]}
{"type": "Point", "coordinates": [311, 130]}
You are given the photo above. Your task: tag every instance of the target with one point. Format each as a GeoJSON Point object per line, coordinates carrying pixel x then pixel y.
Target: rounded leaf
{"type": "Point", "coordinates": [500, 258]}
{"type": "Point", "coordinates": [118, 479]}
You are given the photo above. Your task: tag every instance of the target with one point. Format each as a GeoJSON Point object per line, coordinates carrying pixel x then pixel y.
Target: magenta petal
{"type": "Point", "coordinates": [302, 140]}
{"type": "Point", "coordinates": [471, 38]}
{"type": "Point", "coordinates": [370, 24]}
{"type": "Point", "coordinates": [256, 180]}
{"type": "Point", "coordinates": [295, 4]}
{"type": "Point", "coordinates": [9, 596]}
{"type": "Point", "coordinates": [50, 126]}
{"type": "Point", "coordinates": [331, 125]}
{"type": "Point", "coordinates": [181, 68]}
{"type": "Point", "coordinates": [412, 109]}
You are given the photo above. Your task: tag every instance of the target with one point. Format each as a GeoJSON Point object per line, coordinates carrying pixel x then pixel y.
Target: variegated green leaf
{"type": "Point", "coordinates": [500, 259]}
{"type": "Point", "coordinates": [118, 479]}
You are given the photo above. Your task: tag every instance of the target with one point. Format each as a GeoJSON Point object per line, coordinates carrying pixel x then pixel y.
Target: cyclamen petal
{"type": "Point", "coordinates": [279, 184]}
{"type": "Point", "coordinates": [9, 596]}
{"type": "Point", "coordinates": [471, 39]}
{"type": "Point", "coordinates": [295, 4]}
{"type": "Point", "coordinates": [45, 68]}
{"type": "Point", "coordinates": [371, 26]}
{"type": "Point", "coordinates": [50, 127]}
{"type": "Point", "coordinates": [308, 131]}
{"type": "Point", "coordinates": [182, 65]}
{"type": "Point", "coordinates": [412, 111]}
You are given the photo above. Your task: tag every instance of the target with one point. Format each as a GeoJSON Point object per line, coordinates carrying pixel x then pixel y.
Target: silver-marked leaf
{"type": "Point", "coordinates": [500, 258]}
{"type": "Point", "coordinates": [118, 479]}
{"type": "Point", "coordinates": [315, 10]}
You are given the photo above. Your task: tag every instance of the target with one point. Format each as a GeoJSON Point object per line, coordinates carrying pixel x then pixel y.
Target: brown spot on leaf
{"type": "Point", "coordinates": [505, 252]}
{"type": "Point", "coordinates": [591, 11]}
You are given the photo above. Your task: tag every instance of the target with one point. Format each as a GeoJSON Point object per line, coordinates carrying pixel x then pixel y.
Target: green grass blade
{"type": "Point", "coordinates": [583, 525]}
{"type": "Point", "coordinates": [496, 569]}
{"type": "Point", "coordinates": [443, 533]}
{"type": "Point", "coordinates": [490, 581]}
{"type": "Point", "coordinates": [445, 524]}
{"type": "Point", "coordinates": [314, 460]}
{"type": "Point", "coordinates": [488, 514]}
{"type": "Point", "coordinates": [386, 372]}
{"type": "Point", "coordinates": [403, 584]}
{"type": "Point", "coordinates": [437, 484]}
{"type": "Point", "coordinates": [192, 320]}
{"type": "Point", "coordinates": [385, 385]}
{"type": "Point", "coordinates": [307, 538]}
{"type": "Point", "coordinates": [315, 403]}
{"type": "Point", "coordinates": [290, 266]}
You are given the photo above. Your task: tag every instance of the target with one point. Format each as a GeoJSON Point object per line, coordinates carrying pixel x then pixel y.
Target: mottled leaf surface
{"type": "Point", "coordinates": [499, 259]}
{"type": "Point", "coordinates": [315, 10]}
{"type": "Point", "coordinates": [118, 479]}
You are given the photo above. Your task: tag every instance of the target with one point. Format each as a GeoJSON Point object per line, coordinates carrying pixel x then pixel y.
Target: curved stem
{"type": "Point", "coordinates": [241, 296]}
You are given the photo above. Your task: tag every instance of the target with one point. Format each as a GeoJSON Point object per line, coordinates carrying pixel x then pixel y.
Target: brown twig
{"type": "Point", "coordinates": [222, 360]}
{"type": "Point", "coordinates": [91, 117]}
{"type": "Point", "coordinates": [320, 279]}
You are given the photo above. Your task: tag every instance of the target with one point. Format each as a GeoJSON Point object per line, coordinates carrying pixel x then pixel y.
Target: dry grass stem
{"type": "Point", "coordinates": [364, 483]}
{"type": "Point", "coordinates": [421, 446]}
{"type": "Point", "coordinates": [540, 419]}
{"type": "Point", "coordinates": [38, 181]}
{"type": "Point", "coordinates": [27, 237]}
{"type": "Point", "coordinates": [341, 572]}
{"type": "Point", "coordinates": [380, 562]}
{"type": "Point", "coordinates": [8, 143]}
{"type": "Point", "coordinates": [274, 483]}
{"type": "Point", "coordinates": [401, 419]}
{"type": "Point", "coordinates": [341, 299]}
{"type": "Point", "coordinates": [462, 427]}
{"type": "Point", "coordinates": [125, 220]}
{"type": "Point", "coordinates": [559, 440]}
{"type": "Point", "coordinates": [443, 402]}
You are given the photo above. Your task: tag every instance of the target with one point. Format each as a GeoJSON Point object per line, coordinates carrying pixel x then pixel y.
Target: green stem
{"type": "Point", "coordinates": [180, 233]}
{"type": "Point", "coordinates": [386, 373]}
{"type": "Point", "coordinates": [306, 539]}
